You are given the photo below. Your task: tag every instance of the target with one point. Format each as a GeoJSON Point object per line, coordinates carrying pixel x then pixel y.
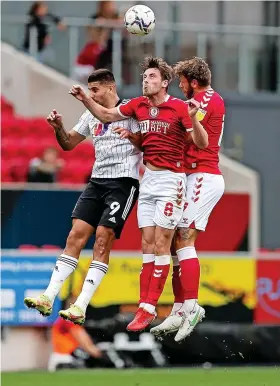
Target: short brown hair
{"type": "Point", "coordinates": [195, 68]}
{"type": "Point", "coordinates": [165, 70]}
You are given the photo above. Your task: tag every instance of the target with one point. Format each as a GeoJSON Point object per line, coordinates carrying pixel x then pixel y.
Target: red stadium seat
{"type": "Point", "coordinates": [27, 138]}
{"type": "Point", "coordinates": [74, 172]}
{"type": "Point", "coordinates": [40, 128]}
{"type": "Point", "coordinates": [6, 106]}
{"type": "Point", "coordinates": [6, 172]}
{"type": "Point", "coordinates": [10, 148]}
{"type": "Point", "coordinates": [28, 247]}
{"type": "Point", "coordinates": [19, 169]}
{"type": "Point", "coordinates": [85, 151]}
{"type": "Point", "coordinates": [22, 127]}
{"type": "Point", "coordinates": [50, 247]}
{"type": "Point", "coordinates": [8, 126]}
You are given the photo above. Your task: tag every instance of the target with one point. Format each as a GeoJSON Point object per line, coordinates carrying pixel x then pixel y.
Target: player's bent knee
{"type": "Point", "coordinates": [162, 246]}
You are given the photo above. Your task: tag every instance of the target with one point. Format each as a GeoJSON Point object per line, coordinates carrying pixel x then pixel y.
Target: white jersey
{"type": "Point", "coordinates": [114, 157]}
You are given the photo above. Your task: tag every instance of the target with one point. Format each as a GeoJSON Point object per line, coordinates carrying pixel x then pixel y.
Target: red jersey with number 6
{"type": "Point", "coordinates": [211, 115]}
{"type": "Point", "coordinates": [163, 128]}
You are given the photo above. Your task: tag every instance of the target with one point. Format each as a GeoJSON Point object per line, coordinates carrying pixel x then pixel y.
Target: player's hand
{"type": "Point", "coordinates": [96, 352]}
{"type": "Point", "coordinates": [193, 107]}
{"type": "Point", "coordinates": [124, 133]}
{"type": "Point", "coordinates": [78, 92]}
{"type": "Point", "coordinates": [55, 119]}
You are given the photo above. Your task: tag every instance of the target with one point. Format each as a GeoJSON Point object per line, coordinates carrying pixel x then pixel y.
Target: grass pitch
{"type": "Point", "coordinates": [164, 377]}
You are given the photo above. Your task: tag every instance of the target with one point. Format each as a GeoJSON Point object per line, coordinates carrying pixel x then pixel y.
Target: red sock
{"type": "Point", "coordinates": [160, 273]}
{"type": "Point", "coordinates": [190, 272]}
{"type": "Point", "coordinates": [176, 282]}
{"type": "Point", "coordinates": [145, 276]}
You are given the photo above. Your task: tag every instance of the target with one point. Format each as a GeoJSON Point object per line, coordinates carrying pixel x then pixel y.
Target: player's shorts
{"type": "Point", "coordinates": [161, 199]}
{"type": "Point", "coordinates": [107, 202]}
{"type": "Point", "coordinates": [204, 190]}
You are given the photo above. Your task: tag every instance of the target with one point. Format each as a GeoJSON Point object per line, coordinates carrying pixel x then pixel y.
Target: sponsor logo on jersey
{"type": "Point", "coordinates": [153, 112]}
{"type": "Point", "coordinates": [112, 219]}
{"type": "Point", "coordinates": [100, 129]}
{"type": "Point", "coordinates": [148, 126]}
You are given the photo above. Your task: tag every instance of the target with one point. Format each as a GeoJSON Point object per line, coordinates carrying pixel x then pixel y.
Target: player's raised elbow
{"type": "Point", "coordinates": [203, 143]}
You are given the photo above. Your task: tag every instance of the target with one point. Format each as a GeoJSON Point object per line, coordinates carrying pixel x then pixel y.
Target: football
{"type": "Point", "coordinates": [139, 20]}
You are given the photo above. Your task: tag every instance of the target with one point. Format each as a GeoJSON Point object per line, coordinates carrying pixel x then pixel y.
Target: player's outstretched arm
{"type": "Point", "coordinates": [100, 112]}
{"type": "Point", "coordinates": [199, 134]}
{"type": "Point", "coordinates": [85, 342]}
{"type": "Point", "coordinates": [67, 140]}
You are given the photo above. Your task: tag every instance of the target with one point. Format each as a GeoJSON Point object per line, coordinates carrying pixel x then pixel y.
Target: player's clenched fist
{"type": "Point", "coordinates": [78, 92]}
{"type": "Point", "coordinates": [193, 107]}
{"type": "Point", "coordinates": [54, 119]}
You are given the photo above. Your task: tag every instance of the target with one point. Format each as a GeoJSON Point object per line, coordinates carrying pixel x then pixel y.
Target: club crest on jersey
{"type": "Point", "coordinates": [154, 112]}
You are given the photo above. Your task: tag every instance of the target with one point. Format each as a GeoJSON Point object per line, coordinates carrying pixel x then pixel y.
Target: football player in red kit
{"type": "Point", "coordinates": [163, 122]}
{"type": "Point", "coordinates": [205, 187]}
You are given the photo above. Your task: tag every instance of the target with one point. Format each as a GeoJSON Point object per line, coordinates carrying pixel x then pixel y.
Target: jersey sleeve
{"type": "Point", "coordinates": [133, 126]}
{"type": "Point", "coordinates": [185, 118]}
{"type": "Point", "coordinates": [127, 107]}
{"type": "Point", "coordinates": [82, 127]}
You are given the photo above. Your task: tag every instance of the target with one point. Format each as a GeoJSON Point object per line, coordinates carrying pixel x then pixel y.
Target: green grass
{"type": "Point", "coordinates": [165, 377]}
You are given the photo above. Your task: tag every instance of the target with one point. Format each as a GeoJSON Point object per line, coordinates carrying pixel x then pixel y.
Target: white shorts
{"type": "Point", "coordinates": [204, 190]}
{"type": "Point", "coordinates": [162, 198]}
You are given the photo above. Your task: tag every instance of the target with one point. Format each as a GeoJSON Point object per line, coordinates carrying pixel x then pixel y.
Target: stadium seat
{"type": "Point", "coordinates": [8, 126]}
{"type": "Point", "coordinates": [50, 246]}
{"type": "Point", "coordinates": [27, 138]}
{"type": "Point", "coordinates": [40, 128]}
{"type": "Point", "coordinates": [6, 172]}
{"type": "Point", "coordinates": [10, 148]}
{"type": "Point", "coordinates": [28, 247]}
{"type": "Point", "coordinates": [19, 169]}
{"type": "Point", "coordinates": [6, 107]}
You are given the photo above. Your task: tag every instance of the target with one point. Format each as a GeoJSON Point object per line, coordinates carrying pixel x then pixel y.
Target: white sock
{"type": "Point", "coordinates": [150, 308]}
{"type": "Point", "coordinates": [64, 266]}
{"type": "Point", "coordinates": [176, 307]}
{"type": "Point", "coordinates": [190, 305]}
{"type": "Point", "coordinates": [96, 272]}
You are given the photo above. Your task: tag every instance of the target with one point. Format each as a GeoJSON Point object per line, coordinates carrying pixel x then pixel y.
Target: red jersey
{"type": "Point", "coordinates": [163, 128]}
{"type": "Point", "coordinates": [211, 115]}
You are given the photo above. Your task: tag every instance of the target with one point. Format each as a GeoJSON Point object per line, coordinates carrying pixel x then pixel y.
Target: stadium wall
{"type": "Point", "coordinates": [26, 221]}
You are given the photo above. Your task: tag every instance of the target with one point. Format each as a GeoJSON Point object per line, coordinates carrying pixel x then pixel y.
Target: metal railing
{"type": "Point", "coordinates": [241, 57]}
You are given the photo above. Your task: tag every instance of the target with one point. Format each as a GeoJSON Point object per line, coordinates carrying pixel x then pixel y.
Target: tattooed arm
{"type": "Point", "coordinates": [67, 140]}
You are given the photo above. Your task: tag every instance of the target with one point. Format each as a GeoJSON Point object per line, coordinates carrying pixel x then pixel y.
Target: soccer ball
{"type": "Point", "coordinates": [139, 20]}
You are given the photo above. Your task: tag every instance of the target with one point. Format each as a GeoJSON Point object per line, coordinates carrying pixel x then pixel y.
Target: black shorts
{"type": "Point", "coordinates": [107, 202]}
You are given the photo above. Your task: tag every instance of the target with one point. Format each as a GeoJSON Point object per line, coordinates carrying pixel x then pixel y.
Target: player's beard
{"type": "Point", "coordinates": [190, 92]}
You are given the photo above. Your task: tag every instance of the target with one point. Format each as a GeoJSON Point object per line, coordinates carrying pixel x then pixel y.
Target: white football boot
{"type": "Point", "coordinates": [171, 324]}
{"type": "Point", "coordinates": [190, 320]}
